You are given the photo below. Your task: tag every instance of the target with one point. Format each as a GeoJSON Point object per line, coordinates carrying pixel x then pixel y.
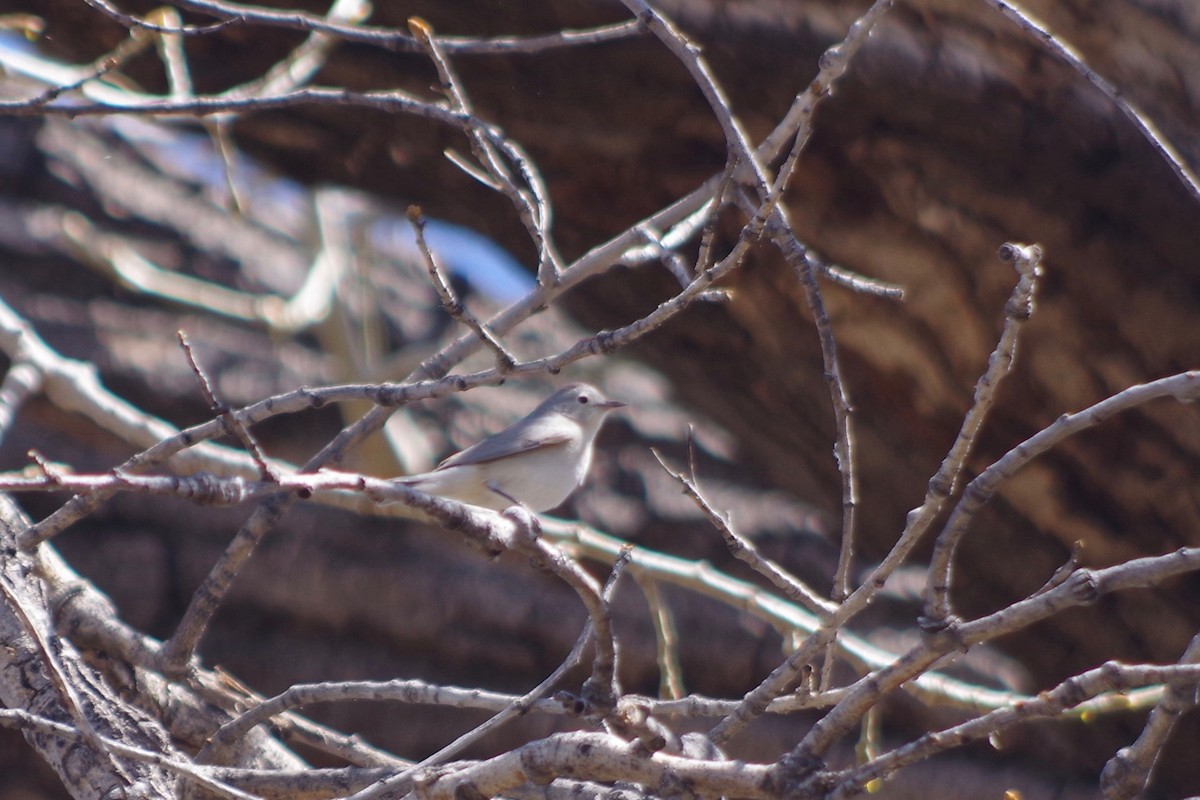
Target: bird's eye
{"type": "Point", "coordinates": [582, 398]}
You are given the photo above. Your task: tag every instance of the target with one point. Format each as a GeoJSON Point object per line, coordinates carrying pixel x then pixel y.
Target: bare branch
{"type": "Point", "coordinates": [744, 550]}
{"type": "Point", "coordinates": [532, 205]}
{"type": "Point", "coordinates": [504, 360]}
{"type": "Point", "coordinates": [1184, 387]}
{"type": "Point", "coordinates": [241, 14]}
{"type": "Point", "coordinates": [232, 424]}
{"type": "Point", "coordinates": [1084, 588]}
{"type": "Point", "coordinates": [1111, 676]}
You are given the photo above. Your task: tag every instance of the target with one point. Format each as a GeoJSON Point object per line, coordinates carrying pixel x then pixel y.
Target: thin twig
{"type": "Point", "coordinates": [1183, 387]}
{"type": "Point", "coordinates": [532, 206]}
{"type": "Point", "coordinates": [306, 59]}
{"type": "Point", "coordinates": [177, 651]}
{"type": "Point", "coordinates": [515, 708]}
{"type": "Point", "coordinates": [917, 523]}
{"type": "Point", "coordinates": [232, 424]}
{"type": "Point", "coordinates": [768, 194]}
{"type": "Point", "coordinates": [240, 14]}
{"type": "Point", "coordinates": [742, 549]}
{"type": "Point", "coordinates": [601, 690]}
{"type": "Point", "coordinates": [1144, 126]}
{"type": "Point", "coordinates": [131, 21]}
{"type": "Point", "coordinates": [771, 213]}
{"type": "Point", "coordinates": [1027, 262]}
{"type": "Point", "coordinates": [785, 617]}
{"type": "Point", "coordinates": [450, 303]}
{"type": "Point", "coordinates": [1084, 587]}
{"type": "Point", "coordinates": [1127, 773]}
{"type": "Point", "coordinates": [592, 262]}
{"type": "Point", "coordinates": [401, 691]}
{"type": "Point", "coordinates": [666, 638]}
{"type": "Point", "coordinates": [1064, 571]}
{"type": "Point", "coordinates": [854, 281]}
{"type": "Point", "coordinates": [74, 385]}
{"type": "Point", "coordinates": [797, 257]}
{"type": "Point", "coordinates": [136, 43]}
{"type": "Point", "coordinates": [1109, 677]}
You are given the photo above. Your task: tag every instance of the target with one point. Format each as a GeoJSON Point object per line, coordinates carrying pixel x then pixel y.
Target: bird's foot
{"type": "Point", "coordinates": [524, 519]}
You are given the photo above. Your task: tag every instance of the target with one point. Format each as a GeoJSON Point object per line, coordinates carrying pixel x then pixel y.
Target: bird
{"type": "Point", "coordinates": [537, 462]}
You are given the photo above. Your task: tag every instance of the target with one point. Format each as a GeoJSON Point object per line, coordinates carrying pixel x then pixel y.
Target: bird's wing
{"type": "Point", "coordinates": [522, 437]}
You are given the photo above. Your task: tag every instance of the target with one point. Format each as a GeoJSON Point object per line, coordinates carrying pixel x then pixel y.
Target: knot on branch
{"type": "Point", "coordinates": [388, 395]}
{"type": "Point", "coordinates": [528, 526]}
{"type": "Point", "coordinates": [594, 701]}
{"type": "Point", "coordinates": [598, 697]}
{"type": "Point", "coordinates": [207, 489]}
{"type": "Point", "coordinates": [573, 704]}
{"type": "Point", "coordinates": [1122, 776]}
{"type": "Point", "coordinates": [606, 342]}
{"type": "Point", "coordinates": [943, 633]}
{"type": "Point", "coordinates": [796, 775]}
{"type": "Point", "coordinates": [632, 720]}
{"type": "Point", "coordinates": [313, 399]}
{"type": "Point", "coordinates": [1084, 587]}
{"type": "Point", "coordinates": [424, 780]}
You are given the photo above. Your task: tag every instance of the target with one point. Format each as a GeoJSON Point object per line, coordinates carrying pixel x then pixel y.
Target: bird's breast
{"type": "Point", "coordinates": [542, 478]}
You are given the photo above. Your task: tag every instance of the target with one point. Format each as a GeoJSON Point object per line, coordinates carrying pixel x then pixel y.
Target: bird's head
{"type": "Point", "coordinates": [581, 402]}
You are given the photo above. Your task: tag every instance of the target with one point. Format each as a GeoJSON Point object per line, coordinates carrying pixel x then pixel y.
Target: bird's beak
{"type": "Point", "coordinates": [611, 404]}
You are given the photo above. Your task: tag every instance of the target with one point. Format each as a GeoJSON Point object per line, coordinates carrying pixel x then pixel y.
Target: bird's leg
{"type": "Point", "coordinates": [492, 487]}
